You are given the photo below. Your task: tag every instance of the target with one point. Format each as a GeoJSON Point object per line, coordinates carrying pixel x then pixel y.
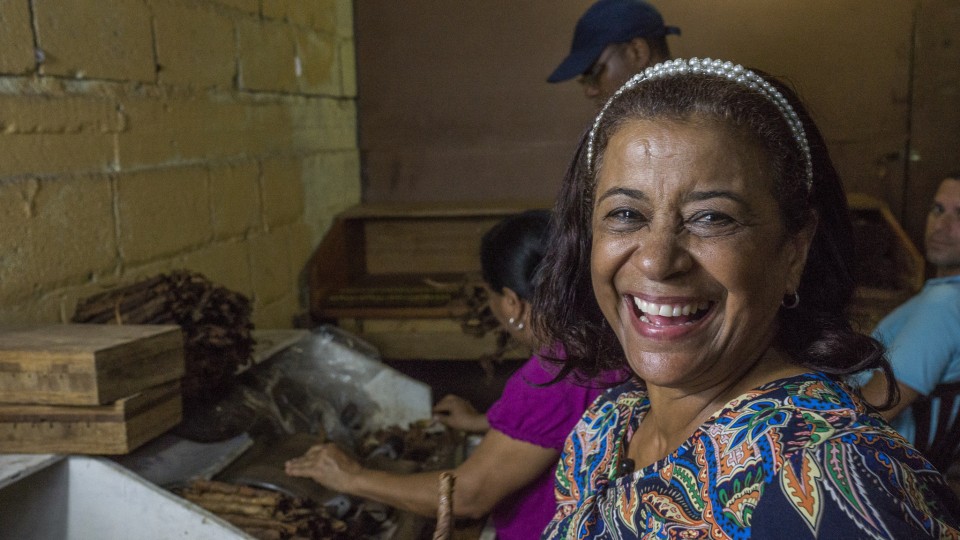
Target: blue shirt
{"type": "Point", "coordinates": [922, 337]}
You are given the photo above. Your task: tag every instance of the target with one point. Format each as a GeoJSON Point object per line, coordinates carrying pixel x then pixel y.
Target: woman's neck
{"type": "Point", "coordinates": [676, 413]}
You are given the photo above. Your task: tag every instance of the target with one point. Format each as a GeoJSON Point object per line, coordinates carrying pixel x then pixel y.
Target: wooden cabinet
{"type": "Point", "coordinates": [401, 276]}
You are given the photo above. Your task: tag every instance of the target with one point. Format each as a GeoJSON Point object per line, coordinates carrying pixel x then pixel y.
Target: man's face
{"type": "Point", "coordinates": [616, 64]}
{"type": "Point", "coordinates": [943, 229]}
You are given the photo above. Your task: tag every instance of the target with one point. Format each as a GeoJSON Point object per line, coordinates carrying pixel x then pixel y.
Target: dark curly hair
{"type": "Point", "coordinates": [817, 333]}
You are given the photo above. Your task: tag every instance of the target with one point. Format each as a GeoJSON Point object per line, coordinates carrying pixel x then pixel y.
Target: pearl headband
{"type": "Point", "coordinates": [725, 70]}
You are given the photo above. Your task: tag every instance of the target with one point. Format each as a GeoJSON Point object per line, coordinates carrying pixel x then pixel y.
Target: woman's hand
{"type": "Point", "coordinates": [457, 413]}
{"type": "Point", "coordinates": [327, 465]}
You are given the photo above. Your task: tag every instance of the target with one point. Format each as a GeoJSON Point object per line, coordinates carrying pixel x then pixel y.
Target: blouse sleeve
{"type": "Point", "coordinates": [530, 411]}
{"type": "Point", "coordinates": [857, 487]}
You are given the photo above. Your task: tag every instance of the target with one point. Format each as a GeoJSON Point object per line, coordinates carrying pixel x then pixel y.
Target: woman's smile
{"type": "Point", "coordinates": [667, 319]}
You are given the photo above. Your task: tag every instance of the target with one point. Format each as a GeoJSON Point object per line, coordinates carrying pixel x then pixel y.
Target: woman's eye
{"type": "Point", "coordinates": [710, 218]}
{"type": "Point", "coordinates": [711, 223]}
{"type": "Point", "coordinates": [625, 215]}
{"type": "Point", "coordinates": [623, 219]}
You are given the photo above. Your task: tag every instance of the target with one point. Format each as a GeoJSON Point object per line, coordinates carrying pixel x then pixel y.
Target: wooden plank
{"type": "Point", "coordinates": [424, 339]}
{"type": "Point", "coordinates": [438, 325]}
{"type": "Point", "coordinates": [453, 311]}
{"type": "Point", "coordinates": [117, 428]}
{"type": "Point", "coordinates": [86, 364]}
{"type": "Point", "coordinates": [425, 245]}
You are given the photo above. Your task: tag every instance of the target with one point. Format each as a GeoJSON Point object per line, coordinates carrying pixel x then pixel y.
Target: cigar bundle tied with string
{"type": "Point", "coordinates": [445, 508]}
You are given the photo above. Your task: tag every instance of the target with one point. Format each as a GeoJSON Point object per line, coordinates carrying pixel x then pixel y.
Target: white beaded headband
{"type": "Point", "coordinates": [727, 70]}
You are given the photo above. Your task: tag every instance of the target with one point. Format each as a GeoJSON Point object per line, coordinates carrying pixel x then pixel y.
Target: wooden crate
{"type": "Point", "coordinates": [390, 274]}
{"type": "Point", "coordinates": [117, 428]}
{"type": "Point", "coordinates": [86, 364]}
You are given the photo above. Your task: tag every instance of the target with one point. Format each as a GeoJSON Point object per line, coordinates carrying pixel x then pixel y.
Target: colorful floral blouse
{"type": "Point", "coordinates": [796, 458]}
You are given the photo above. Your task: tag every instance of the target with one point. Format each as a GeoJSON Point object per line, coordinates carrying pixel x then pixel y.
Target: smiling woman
{"type": "Point", "coordinates": [704, 242]}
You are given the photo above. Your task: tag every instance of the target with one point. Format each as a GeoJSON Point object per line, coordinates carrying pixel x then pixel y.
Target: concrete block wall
{"type": "Point", "coordinates": [143, 136]}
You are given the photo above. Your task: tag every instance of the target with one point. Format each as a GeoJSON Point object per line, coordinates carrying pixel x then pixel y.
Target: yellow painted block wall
{"type": "Point", "coordinates": [143, 136]}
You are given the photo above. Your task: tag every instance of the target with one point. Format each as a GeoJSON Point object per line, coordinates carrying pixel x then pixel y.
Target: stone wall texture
{"type": "Point", "coordinates": [143, 136]}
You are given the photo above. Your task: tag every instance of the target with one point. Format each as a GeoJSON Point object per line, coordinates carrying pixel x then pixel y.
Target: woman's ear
{"type": "Point", "coordinates": [512, 303]}
{"type": "Point", "coordinates": [517, 310]}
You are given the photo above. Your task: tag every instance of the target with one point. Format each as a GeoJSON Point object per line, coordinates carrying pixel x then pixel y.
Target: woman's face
{"type": "Point", "coordinates": [690, 260]}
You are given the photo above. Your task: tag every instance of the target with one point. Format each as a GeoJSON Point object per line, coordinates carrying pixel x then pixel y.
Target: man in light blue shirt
{"type": "Point", "coordinates": [922, 336]}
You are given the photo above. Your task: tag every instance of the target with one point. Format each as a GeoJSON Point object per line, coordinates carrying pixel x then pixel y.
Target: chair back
{"type": "Point", "coordinates": [944, 448]}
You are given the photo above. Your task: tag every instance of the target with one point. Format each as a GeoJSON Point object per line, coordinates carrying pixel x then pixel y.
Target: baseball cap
{"type": "Point", "coordinates": [606, 22]}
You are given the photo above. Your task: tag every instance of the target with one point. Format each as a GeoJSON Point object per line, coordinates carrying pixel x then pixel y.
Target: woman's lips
{"type": "Point", "coordinates": [669, 310]}
{"type": "Point", "coordinates": [667, 320]}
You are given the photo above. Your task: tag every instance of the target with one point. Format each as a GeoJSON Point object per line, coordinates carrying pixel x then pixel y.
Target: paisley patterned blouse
{"type": "Point", "coordinates": [796, 458]}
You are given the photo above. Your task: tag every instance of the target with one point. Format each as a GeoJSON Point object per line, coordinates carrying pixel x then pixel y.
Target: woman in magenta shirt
{"type": "Point", "coordinates": [510, 474]}
{"type": "Point", "coordinates": [546, 416]}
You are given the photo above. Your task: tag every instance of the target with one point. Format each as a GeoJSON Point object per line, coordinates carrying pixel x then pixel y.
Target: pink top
{"type": "Point", "coordinates": [540, 415]}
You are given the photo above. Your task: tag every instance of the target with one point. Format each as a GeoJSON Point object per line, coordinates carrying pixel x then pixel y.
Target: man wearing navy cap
{"type": "Point", "coordinates": [613, 41]}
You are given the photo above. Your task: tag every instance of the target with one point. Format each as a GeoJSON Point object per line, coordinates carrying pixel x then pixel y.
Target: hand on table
{"type": "Point", "coordinates": [327, 465]}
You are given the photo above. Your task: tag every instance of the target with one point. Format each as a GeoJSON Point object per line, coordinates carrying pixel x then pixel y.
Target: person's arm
{"type": "Point", "coordinates": [498, 467]}
{"type": "Point", "coordinates": [875, 392]}
{"type": "Point", "coordinates": [457, 413]}
{"type": "Point", "coordinates": [920, 350]}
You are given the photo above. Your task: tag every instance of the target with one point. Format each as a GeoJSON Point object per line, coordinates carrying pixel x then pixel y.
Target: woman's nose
{"type": "Point", "coordinates": [662, 253]}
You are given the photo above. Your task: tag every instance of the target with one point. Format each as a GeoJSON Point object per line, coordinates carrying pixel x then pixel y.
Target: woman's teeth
{"type": "Point", "coordinates": [669, 310]}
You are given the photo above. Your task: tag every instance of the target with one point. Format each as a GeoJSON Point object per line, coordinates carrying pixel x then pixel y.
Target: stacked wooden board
{"type": "Point", "coordinates": [88, 388]}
